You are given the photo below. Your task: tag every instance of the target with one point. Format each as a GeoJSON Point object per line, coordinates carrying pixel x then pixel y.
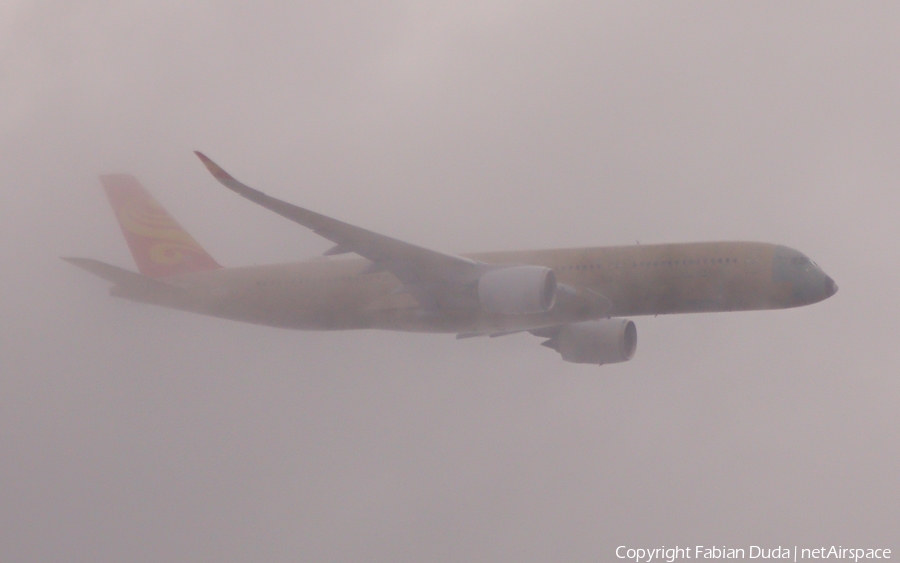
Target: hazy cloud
{"type": "Point", "coordinates": [134, 433]}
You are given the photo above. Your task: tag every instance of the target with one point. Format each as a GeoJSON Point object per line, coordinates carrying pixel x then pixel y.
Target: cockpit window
{"type": "Point", "coordinates": [800, 261]}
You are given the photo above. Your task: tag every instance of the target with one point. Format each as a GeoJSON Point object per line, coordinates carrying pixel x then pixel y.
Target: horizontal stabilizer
{"type": "Point", "coordinates": [109, 272]}
{"type": "Point", "coordinates": [120, 276]}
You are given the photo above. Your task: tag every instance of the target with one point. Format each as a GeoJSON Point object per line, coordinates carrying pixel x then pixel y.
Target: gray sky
{"type": "Point", "coordinates": [142, 434]}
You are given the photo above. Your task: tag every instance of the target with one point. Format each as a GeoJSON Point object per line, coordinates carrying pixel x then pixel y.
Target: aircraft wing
{"type": "Point", "coordinates": [428, 275]}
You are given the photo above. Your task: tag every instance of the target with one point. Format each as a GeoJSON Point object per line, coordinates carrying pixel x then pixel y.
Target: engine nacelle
{"type": "Point", "coordinates": [606, 341]}
{"type": "Point", "coordinates": [517, 290]}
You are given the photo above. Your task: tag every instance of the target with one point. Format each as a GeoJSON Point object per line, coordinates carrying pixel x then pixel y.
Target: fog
{"type": "Point", "coordinates": [134, 433]}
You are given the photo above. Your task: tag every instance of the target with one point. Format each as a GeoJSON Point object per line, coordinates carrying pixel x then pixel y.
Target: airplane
{"type": "Point", "coordinates": [577, 299]}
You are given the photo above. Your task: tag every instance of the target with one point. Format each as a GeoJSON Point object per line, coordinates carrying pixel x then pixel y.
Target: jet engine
{"type": "Point", "coordinates": [517, 290]}
{"type": "Point", "coordinates": [607, 341]}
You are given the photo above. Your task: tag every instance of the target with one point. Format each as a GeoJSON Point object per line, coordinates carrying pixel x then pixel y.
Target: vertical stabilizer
{"type": "Point", "coordinates": [159, 245]}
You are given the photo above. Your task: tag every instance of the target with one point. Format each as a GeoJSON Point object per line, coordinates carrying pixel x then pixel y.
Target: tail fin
{"type": "Point", "coordinates": [159, 245]}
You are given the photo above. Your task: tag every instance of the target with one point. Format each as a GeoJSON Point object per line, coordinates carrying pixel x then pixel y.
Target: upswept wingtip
{"type": "Point", "coordinates": [213, 168]}
{"type": "Point", "coordinates": [203, 158]}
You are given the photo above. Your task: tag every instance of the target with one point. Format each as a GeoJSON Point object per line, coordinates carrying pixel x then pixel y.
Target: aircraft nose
{"type": "Point", "coordinates": [830, 287]}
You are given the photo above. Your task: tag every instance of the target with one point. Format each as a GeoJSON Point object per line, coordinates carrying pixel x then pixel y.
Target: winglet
{"type": "Point", "coordinates": [241, 189]}
{"type": "Point", "coordinates": [230, 181]}
{"type": "Point", "coordinates": [215, 169]}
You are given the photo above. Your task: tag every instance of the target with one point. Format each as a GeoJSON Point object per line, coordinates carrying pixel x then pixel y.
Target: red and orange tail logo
{"type": "Point", "coordinates": [158, 243]}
